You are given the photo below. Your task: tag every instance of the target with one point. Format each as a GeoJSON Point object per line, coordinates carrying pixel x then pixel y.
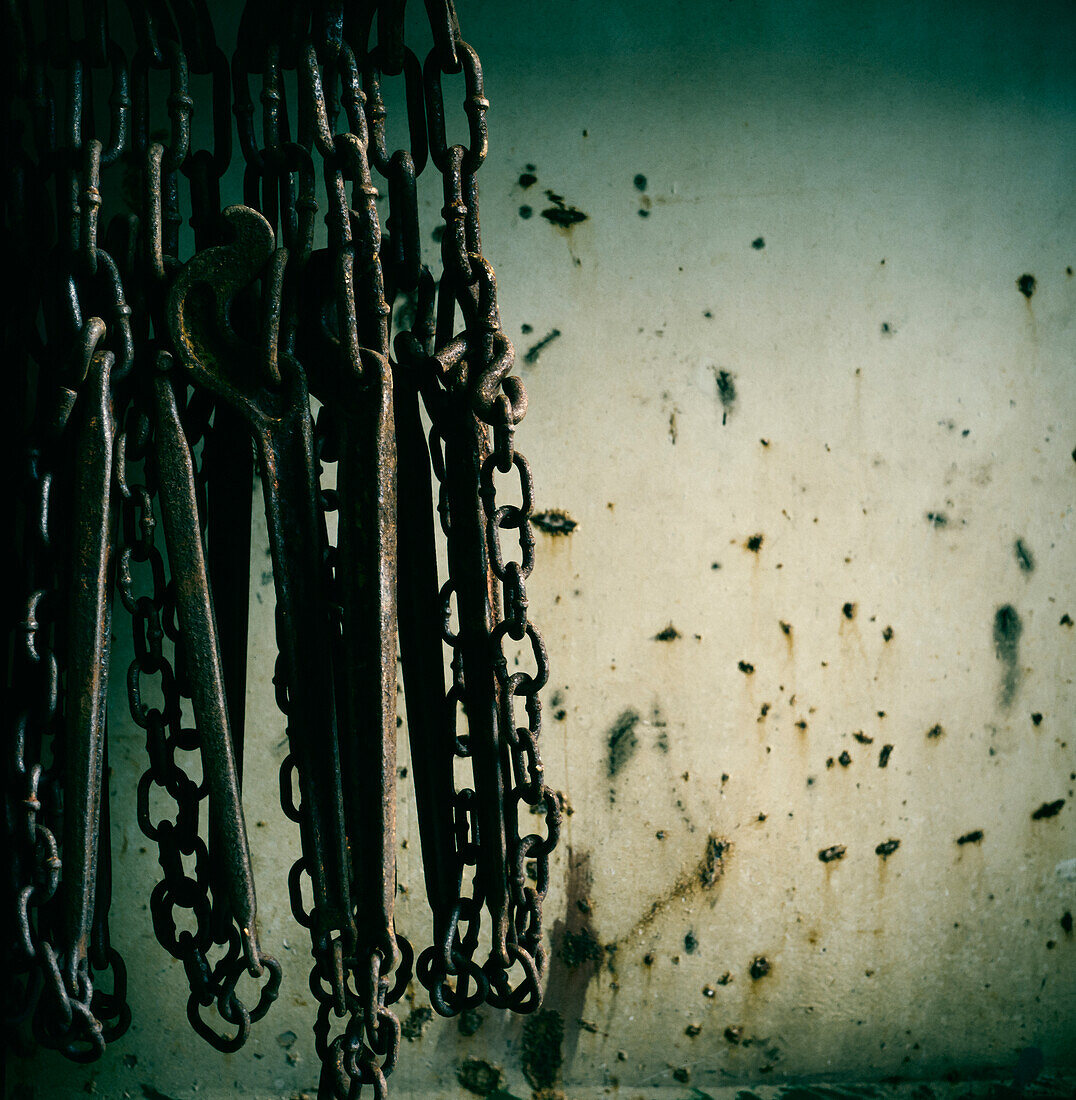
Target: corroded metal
{"type": "Point", "coordinates": [228, 844]}
{"type": "Point", "coordinates": [278, 417]}
{"type": "Point", "coordinates": [257, 322]}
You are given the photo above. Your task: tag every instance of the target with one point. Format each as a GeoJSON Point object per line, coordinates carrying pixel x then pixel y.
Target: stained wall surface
{"type": "Point", "coordinates": [804, 380]}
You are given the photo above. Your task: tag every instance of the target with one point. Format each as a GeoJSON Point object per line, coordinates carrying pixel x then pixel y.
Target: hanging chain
{"type": "Point", "coordinates": [113, 330]}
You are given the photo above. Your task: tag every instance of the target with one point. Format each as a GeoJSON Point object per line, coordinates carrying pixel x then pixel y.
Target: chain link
{"type": "Point", "coordinates": [320, 75]}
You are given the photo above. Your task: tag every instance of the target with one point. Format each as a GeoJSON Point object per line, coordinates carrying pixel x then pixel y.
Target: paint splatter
{"type": "Point", "coordinates": [560, 213]}
{"type": "Point", "coordinates": [480, 1077]}
{"type": "Point", "coordinates": [623, 741]}
{"type": "Point", "coordinates": [554, 522]}
{"type": "Point", "coordinates": [1007, 631]}
{"type": "Point", "coordinates": [726, 392]}
{"type": "Point", "coordinates": [533, 352]}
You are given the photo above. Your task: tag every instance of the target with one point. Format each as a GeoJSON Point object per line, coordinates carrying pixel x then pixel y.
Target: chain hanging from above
{"type": "Point", "coordinates": [156, 371]}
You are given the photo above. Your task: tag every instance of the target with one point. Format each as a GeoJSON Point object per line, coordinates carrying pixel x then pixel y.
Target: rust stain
{"type": "Point", "coordinates": [699, 879]}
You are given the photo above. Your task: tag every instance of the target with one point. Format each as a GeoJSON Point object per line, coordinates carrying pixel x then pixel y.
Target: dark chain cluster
{"type": "Point", "coordinates": [154, 378]}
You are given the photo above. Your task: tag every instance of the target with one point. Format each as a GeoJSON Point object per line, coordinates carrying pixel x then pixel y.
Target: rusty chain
{"type": "Point", "coordinates": [124, 371]}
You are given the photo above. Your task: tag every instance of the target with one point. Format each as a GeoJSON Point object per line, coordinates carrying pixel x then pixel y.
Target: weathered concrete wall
{"type": "Point", "coordinates": [807, 389]}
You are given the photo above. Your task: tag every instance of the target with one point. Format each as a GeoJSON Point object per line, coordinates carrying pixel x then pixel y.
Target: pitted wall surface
{"type": "Point", "coordinates": [803, 380]}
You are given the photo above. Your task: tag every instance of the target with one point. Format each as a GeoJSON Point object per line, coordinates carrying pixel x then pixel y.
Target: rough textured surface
{"type": "Point", "coordinates": [876, 399]}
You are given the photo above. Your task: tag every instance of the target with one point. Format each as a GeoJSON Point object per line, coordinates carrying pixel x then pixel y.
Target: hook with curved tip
{"type": "Point", "coordinates": [199, 307]}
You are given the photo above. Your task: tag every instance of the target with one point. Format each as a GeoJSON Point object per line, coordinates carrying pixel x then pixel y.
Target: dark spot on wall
{"type": "Point", "coordinates": [834, 852]}
{"type": "Point", "coordinates": [1065, 620]}
{"type": "Point", "coordinates": [560, 213]}
{"type": "Point", "coordinates": [887, 329]}
{"type": "Point", "coordinates": [1007, 631]}
{"type": "Point", "coordinates": [786, 628]}
{"type": "Point", "coordinates": [527, 179]}
{"type": "Point", "coordinates": [754, 543]}
{"type": "Point", "coordinates": [760, 967]}
{"type": "Point", "coordinates": [746, 667]}
{"type": "Point", "coordinates": [1066, 923]}
{"type": "Point", "coordinates": [692, 1031]}
{"type": "Point", "coordinates": [526, 211]}
{"type": "Point", "coordinates": [725, 979]}
{"type": "Point", "coordinates": [480, 1077]}
{"type": "Point", "coordinates": [1048, 809]}
{"type": "Point", "coordinates": [883, 756]}
{"type": "Point", "coordinates": [713, 864]}
{"type": "Point", "coordinates": [526, 329]}
{"type": "Point", "coordinates": [844, 759]}
{"type": "Point", "coordinates": [849, 611]}
{"type": "Point", "coordinates": [681, 1074]}
{"type": "Point", "coordinates": [1026, 285]}
{"type": "Point", "coordinates": [887, 848]}
{"type": "Point", "coordinates": [536, 350]}
{"type": "Point", "coordinates": [758, 244]}
{"type": "Point", "coordinates": [622, 741]}
{"type": "Point", "coordinates": [469, 1021]}
{"type": "Point", "coordinates": [733, 1035]}
{"type": "Point", "coordinates": [669, 634]}
{"type": "Point", "coordinates": [640, 182]}
{"type": "Point", "coordinates": [543, 1038]}
{"type": "Point", "coordinates": [863, 738]}
{"type": "Point", "coordinates": [1036, 719]}
{"type": "Point", "coordinates": [935, 731]}
{"type": "Point", "coordinates": [691, 943]}
{"type": "Point", "coordinates": [577, 948]}
{"type": "Point", "coordinates": [643, 212]}
{"type": "Point", "coordinates": [973, 837]}
{"type": "Point", "coordinates": [437, 234]}
{"type": "Point", "coordinates": [887, 634]}
{"type": "Point", "coordinates": [554, 522]}
{"type": "Point", "coordinates": [418, 1019]}
{"type": "Point", "coordinates": [726, 392]}
{"type": "Point", "coordinates": [662, 739]}
{"type": "Point", "coordinates": [938, 519]}
{"type": "Point", "coordinates": [1024, 558]}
